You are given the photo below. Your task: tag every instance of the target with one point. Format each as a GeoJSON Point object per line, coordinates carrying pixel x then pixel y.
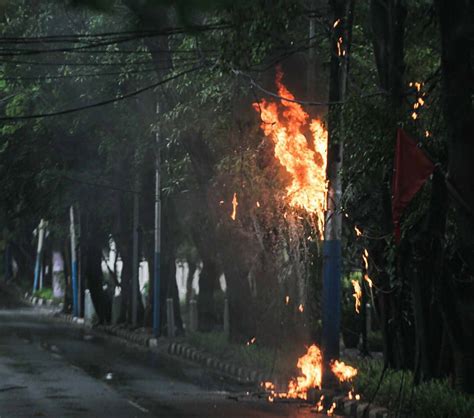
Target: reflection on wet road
{"type": "Point", "coordinates": [49, 369]}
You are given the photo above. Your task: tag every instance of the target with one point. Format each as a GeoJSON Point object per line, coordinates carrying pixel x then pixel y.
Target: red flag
{"type": "Point", "coordinates": [411, 170]}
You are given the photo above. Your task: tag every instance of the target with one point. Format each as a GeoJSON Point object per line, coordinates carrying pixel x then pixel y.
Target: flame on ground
{"type": "Point", "coordinates": [343, 371]}
{"type": "Point", "coordinates": [286, 123]}
{"type": "Point", "coordinates": [311, 367]}
{"type": "Point", "coordinates": [319, 405]}
{"type": "Point", "coordinates": [330, 411]}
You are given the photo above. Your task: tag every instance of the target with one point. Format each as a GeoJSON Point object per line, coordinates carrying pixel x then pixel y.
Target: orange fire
{"type": "Point", "coordinates": [311, 366]}
{"type": "Point", "coordinates": [365, 258]}
{"type": "Point", "coordinates": [352, 396]}
{"type": "Point", "coordinates": [343, 371]}
{"type": "Point", "coordinates": [286, 123]}
{"type": "Point", "coordinates": [357, 294]}
{"type": "Point", "coordinates": [301, 307]}
{"type": "Point", "coordinates": [319, 405]}
{"type": "Point", "coordinates": [311, 369]}
{"type": "Point", "coordinates": [235, 203]}
{"type": "Point", "coordinates": [330, 411]}
{"type": "Point", "coordinates": [358, 231]}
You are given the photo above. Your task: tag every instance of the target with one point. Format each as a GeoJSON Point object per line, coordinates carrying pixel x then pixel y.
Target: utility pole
{"type": "Point", "coordinates": [135, 256]}
{"type": "Point", "coordinates": [75, 295]}
{"type": "Point", "coordinates": [156, 261]}
{"type": "Point", "coordinates": [331, 303]}
{"type": "Point", "coordinates": [39, 252]}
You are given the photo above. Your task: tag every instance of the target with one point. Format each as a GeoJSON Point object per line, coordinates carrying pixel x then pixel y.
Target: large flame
{"type": "Point", "coordinates": [311, 365]}
{"type": "Point", "coordinates": [311, 368]}
{"type": "Point", "coordinates": [286, 124]}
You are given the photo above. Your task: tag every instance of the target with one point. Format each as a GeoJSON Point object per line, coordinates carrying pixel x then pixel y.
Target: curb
{"type": "Point", "coordinates": [352, 408]}
{"type": "Point", "coordinates": [241, 374]}
{"type": "Point", "coordinates": [114, 330]}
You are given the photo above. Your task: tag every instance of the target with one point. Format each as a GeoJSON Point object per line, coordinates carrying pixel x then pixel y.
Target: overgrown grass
{"type": "Point", "coordinates": [251, 356]}
{"type": "Point", "coordinates": [433, 399]}
{"type": "Point", "coordinates": [45, 293]}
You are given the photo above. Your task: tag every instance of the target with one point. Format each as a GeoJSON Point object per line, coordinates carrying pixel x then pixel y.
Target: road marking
{"type": "Point", "coordinates": [138, 406]}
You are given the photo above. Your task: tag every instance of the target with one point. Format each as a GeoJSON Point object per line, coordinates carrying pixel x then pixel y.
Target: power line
{"type": "Point", "coordinates": [103, 102]}
{"type": "Point", "coordinates": [91, 64]}
{"type": "Point", "coordinates": [133, 34]}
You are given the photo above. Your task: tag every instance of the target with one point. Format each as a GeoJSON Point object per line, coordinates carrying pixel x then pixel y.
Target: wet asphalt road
{"type": "Point", "coordinates": [50, 369]}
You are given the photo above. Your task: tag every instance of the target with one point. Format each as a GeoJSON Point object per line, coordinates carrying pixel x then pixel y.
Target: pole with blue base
{"type": "Point", "coordinates": [39, 255]}
{"type": "Point", "coordinates": [156, 261]}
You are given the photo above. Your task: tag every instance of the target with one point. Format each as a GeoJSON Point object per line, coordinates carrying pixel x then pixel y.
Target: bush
{"type": "Point", "coordinates": [375, 341]}
{"type": "Point", "coordinates": [432, 399]}
{"type": "Point", "coordinates": [44, 293]}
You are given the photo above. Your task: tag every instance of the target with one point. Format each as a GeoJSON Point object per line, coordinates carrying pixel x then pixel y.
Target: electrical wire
{"type": "Point", "coordinates": [103, 102]}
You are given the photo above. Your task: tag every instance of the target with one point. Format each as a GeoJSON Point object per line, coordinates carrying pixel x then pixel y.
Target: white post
{"type": "Point", "coordinates": [170, 317]}
{"type": "Point", "coordinates": [75, 296]}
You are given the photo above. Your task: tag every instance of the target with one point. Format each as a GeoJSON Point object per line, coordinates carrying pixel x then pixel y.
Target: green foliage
{"type": "Point", "coordinates": [44, 293]}
{"type": "Point", "coordinates": [431, 399]}
{"type": "Point", "coordinates": [251, 356]}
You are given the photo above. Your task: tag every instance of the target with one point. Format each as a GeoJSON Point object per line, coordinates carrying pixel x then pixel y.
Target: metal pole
{"type": "Point", "coordinates": [135, 257]}
{"type": "Point", "coordinates": [156, 261]}
{"type": "Point", "coordinates": [72, 231]}
{"type": "Point", "coordinates": [38, 255]}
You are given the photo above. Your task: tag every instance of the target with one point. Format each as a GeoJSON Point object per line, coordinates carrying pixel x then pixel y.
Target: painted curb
{"type": "Point", "coordinates": [242, 375]}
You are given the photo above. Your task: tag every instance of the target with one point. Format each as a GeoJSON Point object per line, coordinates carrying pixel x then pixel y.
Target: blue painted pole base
{"type": "Point", "coordinates": [75, 292]}
{"type": "Point", "coordinates": [331, 303]}
{"type": "Point", "coordinates": [156, 295]}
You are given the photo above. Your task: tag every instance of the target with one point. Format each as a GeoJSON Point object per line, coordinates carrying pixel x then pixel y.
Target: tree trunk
{"type": "Point", "coordinates": [455, 18]}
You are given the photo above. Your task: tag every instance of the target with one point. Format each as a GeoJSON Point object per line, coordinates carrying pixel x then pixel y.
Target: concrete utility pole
{"type": "Point", "coordinates": [135, 257]}
{"type": "Point", "coordinates": [156, 261]}
{"type": "Point", "coordinates": [39, 252]}
{"type": "Point", "coordinates": [331, 303]}
{"type": "Point", "coordinates": [75, 293]}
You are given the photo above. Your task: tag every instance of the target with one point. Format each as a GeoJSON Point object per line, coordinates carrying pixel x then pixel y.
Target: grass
{"type": "Point", "coordinates": [217, 344]}
{"type": "Point", "coordinates": [432, 399]}
{"type": "Point", "coordinates": [253, 356]}
{"type": "Point", "coordinates": [44, 293]}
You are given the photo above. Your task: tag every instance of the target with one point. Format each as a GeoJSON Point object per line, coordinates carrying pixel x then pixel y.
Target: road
{"type": "Point", "coordinates": [52, 369]}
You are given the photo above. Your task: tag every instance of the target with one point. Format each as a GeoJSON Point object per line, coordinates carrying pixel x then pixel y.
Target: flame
{"type": "Point", "coordinates": [268, 385]}
{"type": "Point", "coordinates": [340, 51]}
{"type": "Point", "coordinates": [365, 258]}
{"type": "Point", "coordinates": [427, 134]}
{"type": "Point", "coordinates": [285, 123]}
{"type": "Point", "coordinates": [311, 366]}
{"type": "Point", "coordinates": [330, 411]}
{"type": "Point", "coordinates": [336, 23]}
{"type": "Point", "coordinates": [351, 395]}
{"type": "Point", "coordinates": [287, 300]}
{"type": "Point", "coordinates": [343, 371]}
{"type": "Point", "coordinates": [258, 204]}
{"type": "Point", "coordinates": [301, 308]}
{"type": "Point", "coordinates": [358, 231]}
{"type": "Point", "coordinates": [319, 405]}
{"type": "Point", "coordinates": [357, 294]}
{"type": "Point", "coordinates": [235, 203]}
{"type": "Point", "coordinates": [251, 341]}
